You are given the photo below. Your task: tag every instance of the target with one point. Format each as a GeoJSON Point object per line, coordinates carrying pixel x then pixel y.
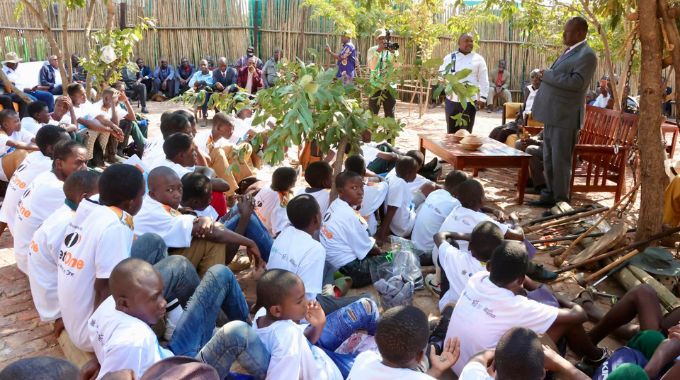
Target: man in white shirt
{"type": "Point", "coordinates": [465, 58]}
{"type": "Point", "coordinates": [603, 98]}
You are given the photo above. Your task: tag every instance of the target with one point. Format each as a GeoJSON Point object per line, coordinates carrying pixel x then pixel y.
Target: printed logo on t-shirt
{"type": "Point", "coordinates": [34, 247]}
{"type": "Point", "coordinates": [23, 211]}
{"type": "Point", "coordinates": [326, 232]}
{"type": "Point", "coordinates": [72, 239]}
{"type": "Point", "coordinates": [18, 183]}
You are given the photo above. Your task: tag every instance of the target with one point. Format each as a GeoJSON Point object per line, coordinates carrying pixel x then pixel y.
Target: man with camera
{"type": "Point", "coordinates": [381, 60]}
{"type": "Point", "coordinates": [465, 58]}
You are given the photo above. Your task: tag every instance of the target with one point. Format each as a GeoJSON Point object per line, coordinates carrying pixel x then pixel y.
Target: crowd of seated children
{"type": "Point", "coordinates": [44, 196]}
{"type": "Point", "coordinates": [319, 177]}
{"type": "Point", "coordinates": [375, 191]}
{"type": "Point", "coordinates": [271, 201]}
{"type": "Point", "coordinates": [15, 144]}
{"type": "Point", "coordinates": [400, 215]}
{"type": "Point", "coordinates": [38, 115]}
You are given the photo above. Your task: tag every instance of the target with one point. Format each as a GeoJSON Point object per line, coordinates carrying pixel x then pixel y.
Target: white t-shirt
{"type": "Point", "coordinates": [430, 218]}
{"type": "Point", "coordinates": [30, 125]}
{"type": "Point", "coordinates": [241, 128]}
{"type": "Point", "coordinates": [33, 165]}
{"type": "Point", "coordinates": [271, 209]}
{"type": "Point", "coordinates": [344, 234]}
{"type": "Point", "coordinates": [209, 211]}
{"type": "Point", "coordinates": [322, 196]}
{"type": "Point", "coordinates": [374, 196]}
{"type": "Point", "coordinates": [43, 197]}
{"type": "Point", "coordinates": [42, 263]}
{"type": "Point", "coordinates": [153, 152]}
{"type": "Point", "coordinates": [459, 266]}
{"type": "Point", "coordinates": [601, 101]}
{"type": "Point", "coordinates": [297, 251]}
{"type": "Point", "coordinates": [292, 356]}
{"type": "Point", "coordinates": [121, 341]}
{"type": "Point", "coordinates": [96, 240]}
{"type": "Point", "coordinates": [484, 312]}
{"type": "Point", "coordinates": [400, 197]}
{"type": "Point", "coordinates": [369, 152]}
{"type": "Point", "coordinates": [204, 138]}
{"type": "Point", "coordinates": [412, 186]}
{"type": "Point", "coordinates": [368, 365]}
{"type": "Point", "coordinates": [16, 136]}
{"type": "Point", "coordinates": [177, 168]}
{"type": "Point", "coordinates": [474, 371]}
{"type": "Point", "coordinates": [463, 220]}
{"type": "Point", "coordinates": [168, 223]}
{"type": "Point", "coordinates": [97, 109]}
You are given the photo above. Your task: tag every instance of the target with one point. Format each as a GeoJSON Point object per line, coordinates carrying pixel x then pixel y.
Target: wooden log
{"type": "Point", "coordinates": [611, 266]}
{"type": "Point", "coordinates": [572, 237]}
{"type": "Point", "coordinates": [668, 300]}
{"type": "Point", "coordinates": [558, 216]}
{"type": "Point", "coordinates": [611, 238]}
{"type": "Point", "coordinates": [572, 218]}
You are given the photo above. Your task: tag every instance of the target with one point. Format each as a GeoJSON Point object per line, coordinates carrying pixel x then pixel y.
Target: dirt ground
{"type": "Point", "coordinates": [22, 334]}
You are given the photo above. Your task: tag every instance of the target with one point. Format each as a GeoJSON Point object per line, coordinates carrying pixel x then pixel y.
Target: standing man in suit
{"type": "Point", "coordinates": [560, 105]}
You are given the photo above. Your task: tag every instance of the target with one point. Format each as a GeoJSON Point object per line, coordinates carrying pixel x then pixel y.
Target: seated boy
{"type": "Point", "coordinates": [319, 177]}
{"type": "Point", "coordinates": [44, 196]}
{"type": "Point", "coordinates": [493, 302]}
{"type": "Point", "coordinates": [35, 163]}
{"type": "Point", "coordinates": [344, 233]}
{"type": "Point", "coordinates": [120, 331]}
{"type": "Point", "coordinates": [15, 144]}
{"type": "Point", "coordinates": [375, 191]}
{"type": "Point", "coordinates": [379, 157]}
{"type": "Point", "coordinates": [272, 200]}
{"type": "Point", "coordinates": [38, 115]}
{"type": "Point", "coordinates": [44, 252]}
{"type": "Point", "coordinates": [201, 240]}
{"type": "Point", "coordinates": [64, 115]}
{"type": "Point", "coordinates": [401, 337]}
{"type": "Point", "coordinates": [399, 212]}
{"type": "Point", "coordinates": [196, 196]}
{"type": "Point", "coordinates": [306, 351]}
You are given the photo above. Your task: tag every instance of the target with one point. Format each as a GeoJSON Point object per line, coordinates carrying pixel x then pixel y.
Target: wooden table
{"type": "Point", "coordinates": [671, 128]}
{"type": "Point", "coordinates": [492, 154]}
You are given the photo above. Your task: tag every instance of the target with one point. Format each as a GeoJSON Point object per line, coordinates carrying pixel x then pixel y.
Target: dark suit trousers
{"type": "Point", "coordinates": [385, 99]}
{"type": "Point", "coordinates": [454, 108]}
{"type": "Point", "coordinates": [558, 149]}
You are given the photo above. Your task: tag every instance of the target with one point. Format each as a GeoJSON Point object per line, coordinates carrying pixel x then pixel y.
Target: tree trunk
{"type": "Point", "coordinates": [65, 60]}
{"type": "Point", "coordinates": [110, 15]}
{"type": "Point", "coordinates": [90, 19]}
{"type": "Point", "coordinates": [649, 134]}
{"type": "Point", "coordinates": [337, 165]}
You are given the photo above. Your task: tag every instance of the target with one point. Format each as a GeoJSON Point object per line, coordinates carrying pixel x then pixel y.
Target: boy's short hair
{"type": "Point", "coordinates": [484, 239]}
{"type": "Point", "coordinates": [6, 114]}
{"type": "Point", "coordinates": [519, 355]}
{"type": "Point", "coordinates": [470, 193]}
{"type": "Point", "coordinates": [356, 163]}
{"type": "Point", "coordinates": [119, 183]}
{"type": "Point", "coordinates": [109, 91]}
{"type": "Point", "coordinates": [274, 286]}
{"type": "Point", "coordinates": [119, 85]}
{"type": "Point", "coordinates": [195, 186]}
{"type": "Point", "coordinates": [80, 182]}
{"type": "Point", "coordinates": [49, 135]}
{"type": "Point", "coordinates": [40, 368]}
{"type": "Point", "coordinates": [165, 115]}
{"type": "Point", "coordinates": [405, 166]}
{"type": "Point", "coordinates": [455, 178]}
{"type": "Point", "coordinates": [64, 149]}
{"type": "Point", "coordinates": [35, 107]}
{"type": "Point", "coordinates": [402, 334]}
{"type": "Point", "coordinates": [177, 143]}
{"type": "Point", "coordinates": [301, 211]}
{"type": "Point", "coordinates": [318, 174]}
{"type": "Point", "coordinates": [175, 123]}
{"type": "Point", "coordinates": [416, 155]}
{"type": "Point", "coordinates": [187, 114]}
{"type": "Point", "coordinates": [73, 88]}
{"type": "Point", "coordinates": [508, 263]}
{"type": "Point", "coordinates": [344, 177]}
{"type": "Point", "coordinates": [224, 118]}
{"type": "Point", "coordinates": [283, 178]}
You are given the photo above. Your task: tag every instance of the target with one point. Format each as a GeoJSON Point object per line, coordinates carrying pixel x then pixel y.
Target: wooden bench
{"type": "Point", "coordinates": [599, 160]}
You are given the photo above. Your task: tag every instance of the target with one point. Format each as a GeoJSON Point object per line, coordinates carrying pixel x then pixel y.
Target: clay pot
{"type": "Point", "coordinates": [459, 135]}
{"type": "Point", "coordinates": [471, 142]}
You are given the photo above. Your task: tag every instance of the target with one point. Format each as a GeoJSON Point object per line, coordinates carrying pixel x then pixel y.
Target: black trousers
{"type": "Point", "coordinates": [454, 108]}
{"type": "Point", "coordinates": [384, 98]}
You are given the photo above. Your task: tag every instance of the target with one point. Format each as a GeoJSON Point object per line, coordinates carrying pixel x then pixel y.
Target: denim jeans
{"type": "Point", "coordinates": [340, 325]}
{"type": "Point", "coordinates": [43, 96]}
{"type": "Point", "coordinates": [256, 231]}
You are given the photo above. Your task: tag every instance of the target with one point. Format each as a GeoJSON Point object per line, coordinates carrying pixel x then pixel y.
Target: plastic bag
{"type": "Point", "coordinates": [398, 278]}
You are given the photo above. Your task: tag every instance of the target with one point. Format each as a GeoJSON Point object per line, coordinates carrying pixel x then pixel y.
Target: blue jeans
{"type": "Point", "coordinates": [204, 107]}
{"type": "Point", "coordinates": [340, 325]}
{"type": "Point", "coordinates": [43, 96]}
{"type": "Point", "coordinates": [256, 231]}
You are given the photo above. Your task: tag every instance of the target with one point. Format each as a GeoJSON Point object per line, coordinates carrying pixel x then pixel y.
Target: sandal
{"type": "Point", "coordinates": [583, 297]}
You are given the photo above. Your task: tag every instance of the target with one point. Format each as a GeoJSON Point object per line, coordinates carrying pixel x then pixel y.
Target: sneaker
{"type": "Point", "coordinates": [432, 285]}
{"type": "Point", "coordinates": [538, 273]}
{"type": "Point", "coordinates": [589, 367]}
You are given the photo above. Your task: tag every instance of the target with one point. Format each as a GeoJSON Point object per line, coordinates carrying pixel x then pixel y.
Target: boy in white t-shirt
{"type": "Point", "coordinates": [319, 177]}
{"type": "Point", "coordinates": [38, 116]}
{"type": "Point", "coordinates": [271, 201]}
{"type": "Point", "coordinates": [400, 214]}
{"type": "Point", "coordinates": [379, 157]}
{"type": "Point", "coordinates": [44, 249]}
{"type": "Point", "coordinates": [344, 233]}
{"type": "Point", "coordinates": [44, 196]}
{"type": "Point", "coordinates": [401, 337]}
{"type": "Point", "coordinates": [15, 144]}
{"type": "Point", "coordinates": [495, 301]}
{"type": "Point", "coordinates": [375, 191]}
{"type": "Point", "coordinates": [305, 351]}
{"type": "Point", "coordinates": [33, 165]}
{"type": "Point", "coordinates": [64, 115]}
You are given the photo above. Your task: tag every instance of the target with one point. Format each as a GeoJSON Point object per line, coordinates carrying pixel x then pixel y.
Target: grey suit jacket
{"type": "Point", "coordinates": [560, 101]}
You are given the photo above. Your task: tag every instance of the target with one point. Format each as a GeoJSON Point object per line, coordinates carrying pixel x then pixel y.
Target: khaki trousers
{"type": "Point", "coordinates": [11, 162]}
{"type": "Point", "coordinates": [222, 159]}
{"type": "Point", "coordinates": [203, 254]}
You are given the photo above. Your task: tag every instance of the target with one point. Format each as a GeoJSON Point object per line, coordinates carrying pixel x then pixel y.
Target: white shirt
{"type": "Point", "coordinates": [168, 223]}
{"type": "Point", "coordinates": [209, 211]}
{"type": "Point", "coordinates": [459, 266]}
{"type": "Point", "coordinates": [463, 220]}
{"type": "Point", "coordinates": [574, 46]}
{"type": "Point", "coordinates": [484, 312]}
{"type": "Point", "coordinates": [601, 101]}
{"type": "Point", "coordinates": [368, 365]}
{"type": "Point", "coordinates": [204, 138]}
{"type": "Point", "coordinates": [374, 196]}
{"type": "Point", "coordinates": [97, 109]}
{"type": "Point", "coordinates": [271, 209]}
{"type": "Point", "coordinates": [249, 83]}
{"type": "Point", "coordinates": [96, 240]}
{"type": "Point", "coordinates": [474, 371]}
{"type": "Point", "coordinates": [479, 77]}
{"type": "Point", "coordinates": [177, 168]}
{"type": "Point", "coordinates": [30, 125]}
{"type": "Point", "coordinates": [344, 234]}
{"type": "Point", "coordinates": [153, 152]}
{"type": "Point", "coordinates": [529, 103]}
{"type": "Point", "coordinates": [369, 152]}
{"type": "Point", "coordinates": [292, 356]}
{"type": "Point", "coordinates": [412, 186]}
{"type": "Point", "coordinates": [430, 217]}
{"type": "Point", "coordinates": [297, 251]}
{"type": "Point", "coordinates": [322, 196]}
{"type": "Point", "coordinates": [399, 196]}
{"type": "Point", "coordinates": [44, 196]}
{"type": "Point", "coordinates": [121, 341]}
{"type": "Point", "coordinates": [42, 263]}
{"type": "Point", "coordinates": [240, 130]}
{"type": "Point", "coordinates": [16, 136]}
{"type": "Point", "coordinates": [33, 165]}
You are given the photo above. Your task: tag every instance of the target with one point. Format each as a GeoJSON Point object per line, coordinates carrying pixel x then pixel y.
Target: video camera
{"type": "Point", "coordinates": [388, 44]}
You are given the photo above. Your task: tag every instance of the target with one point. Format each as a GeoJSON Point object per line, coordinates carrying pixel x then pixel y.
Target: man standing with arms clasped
{"type": "Point", "coordinates": [465, 58]}
{"type": "Point", "coordinates": [560, 105]}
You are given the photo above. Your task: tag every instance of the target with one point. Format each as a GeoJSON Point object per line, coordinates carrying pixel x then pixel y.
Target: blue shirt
{"type": "Point", "coordinates": [200, 77]}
